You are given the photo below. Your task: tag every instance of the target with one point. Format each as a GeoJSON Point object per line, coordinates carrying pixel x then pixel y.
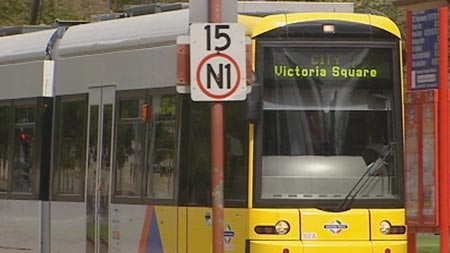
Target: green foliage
{"type": "Point", "coordinates": [52, 10]}
{"type": "Point", "coordinates": [18, 12]}
{"type": "Point", "coordinates": [117, 5]}
{"type": "Point", "coordinates": [13, 12]}
{"type": "Point", "coordinates": [427, 243]}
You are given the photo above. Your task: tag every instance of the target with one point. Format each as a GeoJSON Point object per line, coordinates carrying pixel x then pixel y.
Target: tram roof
{"type": "Point", "coordinates": [134, 32]}
{"type": "Point", "coordinates": [263, 8]}
{"type": "Point", "coordinates": [277, 21]}
{"type": "Point", "coordinates": [162, 28]}
{"type": "Point", "coordinates": [27, 47]}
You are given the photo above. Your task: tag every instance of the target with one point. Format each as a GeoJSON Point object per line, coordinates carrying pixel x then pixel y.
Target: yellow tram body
{"type": "Point", "coordinates": [311, 230]}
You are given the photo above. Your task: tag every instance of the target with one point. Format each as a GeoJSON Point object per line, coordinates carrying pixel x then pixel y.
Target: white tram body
{"type": "Point", "coordinates": [126, 54]}
{"type": "Point", "coordinates": [26, 73]}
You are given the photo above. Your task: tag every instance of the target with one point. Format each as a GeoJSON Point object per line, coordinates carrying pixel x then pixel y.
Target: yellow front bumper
{"type": "Point", "coordinates": [327, 247]}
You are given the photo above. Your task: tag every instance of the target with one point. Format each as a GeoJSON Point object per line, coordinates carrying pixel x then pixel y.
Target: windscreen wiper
{"type": "Point", "coordinates": [360, 184]}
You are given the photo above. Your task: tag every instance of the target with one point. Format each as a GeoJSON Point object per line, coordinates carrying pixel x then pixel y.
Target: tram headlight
{"type": "Point", "coordinates": [328, 28]}
{"type": "Point", "coordinates": [385, 227]}
{"type": "Point", "coordinates": [282, 227]}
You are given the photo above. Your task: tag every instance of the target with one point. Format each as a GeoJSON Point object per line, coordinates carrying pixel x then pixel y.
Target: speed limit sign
{"type": "Point", "coordinates": [217, 60]}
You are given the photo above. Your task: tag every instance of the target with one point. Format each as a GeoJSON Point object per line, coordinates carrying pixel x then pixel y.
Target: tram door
{"type": "Point", "coordinates": [101, 113]}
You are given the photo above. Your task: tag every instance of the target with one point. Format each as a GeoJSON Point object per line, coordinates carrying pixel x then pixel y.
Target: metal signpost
{"type": "Point", "coordinates": [216, 54]}
{"type": "Point", "coordinates": [444, 132]}
{"type": "Point", "coordinates": [217, 143]}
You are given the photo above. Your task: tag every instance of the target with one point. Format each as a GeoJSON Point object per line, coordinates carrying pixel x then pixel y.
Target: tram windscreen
{"type": "Point", "coordinates": [328, 118]}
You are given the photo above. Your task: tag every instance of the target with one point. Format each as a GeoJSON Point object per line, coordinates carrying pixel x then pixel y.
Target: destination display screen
{"type": "Point", "coordinates": [328, 63]}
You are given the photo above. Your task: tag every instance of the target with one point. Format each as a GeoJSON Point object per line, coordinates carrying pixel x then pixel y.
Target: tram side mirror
{"type": "Point", "coordinates": [253, 104]}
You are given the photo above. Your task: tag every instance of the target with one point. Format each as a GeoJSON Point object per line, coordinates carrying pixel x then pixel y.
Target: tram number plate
{"type": "Point", "coordinates": [309, 236]}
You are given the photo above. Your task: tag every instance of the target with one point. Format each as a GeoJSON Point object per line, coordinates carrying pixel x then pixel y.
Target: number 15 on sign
{"type": "Point", "coordinates": [217, 62]}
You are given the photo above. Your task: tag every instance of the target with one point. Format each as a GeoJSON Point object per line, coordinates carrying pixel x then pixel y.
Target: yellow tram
{"type": "Point", "coordinates": [324, 148]}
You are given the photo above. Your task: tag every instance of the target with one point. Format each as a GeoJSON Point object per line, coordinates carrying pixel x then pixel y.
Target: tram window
{"type": "Point", "coordinates": [129, 149]}
{"type": "Point", "coordinates": [161, 157]}
{"type": "Point", "coordinates": [23, 166]}
{"type": "Point", "coordinates": [235, 162]}
{"type": "Point", "coordinates": [24, 115]}
{"type": "Point", "coordinates": [324, 133]}
{"type": "Point", "coordinates": [105, 157]}
{"type": "Point", "coordinates": [4, 147]}
{"type": "Point", "coordinates": [195, 154]}
{"type": "Point", "coordinates": [92, 160]}
{"type": "Point", "coordinates": [69, 172]}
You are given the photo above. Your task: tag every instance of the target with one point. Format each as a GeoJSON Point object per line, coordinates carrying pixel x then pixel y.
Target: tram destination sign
{"type": "Point", "coordinates": [326, 63]}
{"type": "Point", "coordinates": [217, 60]}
